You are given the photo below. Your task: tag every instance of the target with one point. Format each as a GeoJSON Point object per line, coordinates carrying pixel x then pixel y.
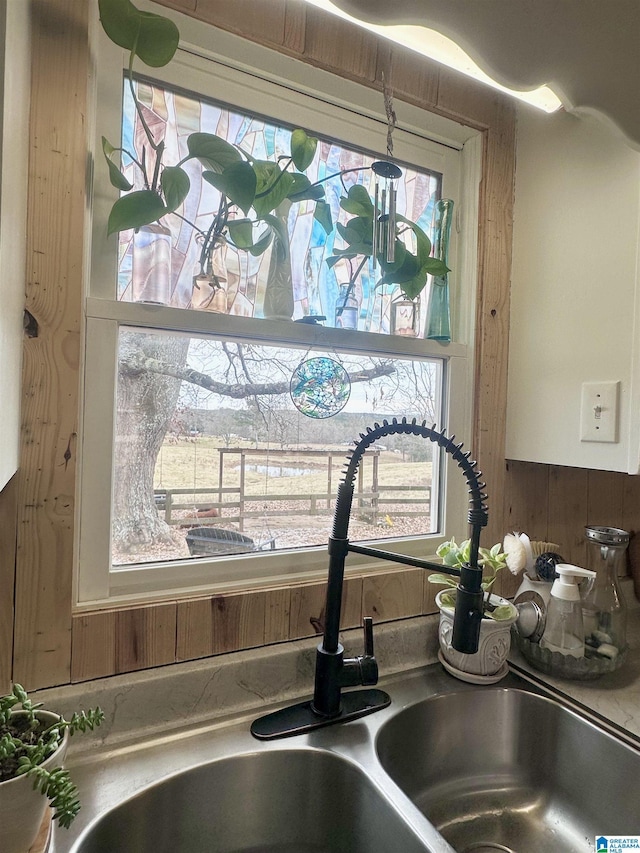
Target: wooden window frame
{"type": "Point", "coordinates": [49, 645]}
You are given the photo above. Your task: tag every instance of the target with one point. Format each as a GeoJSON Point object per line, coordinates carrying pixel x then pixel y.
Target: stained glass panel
{"type": "Point", "coordinates": [172, 116]}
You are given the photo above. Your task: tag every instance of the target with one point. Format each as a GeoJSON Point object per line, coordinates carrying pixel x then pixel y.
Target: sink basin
{"type": "Point", "coordinates": [284, 801]}
{"type": "Point", "coordinates": [507, 770]}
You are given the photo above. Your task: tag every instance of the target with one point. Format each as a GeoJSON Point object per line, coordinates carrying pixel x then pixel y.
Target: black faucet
{"type": "Point", "coordinates": [334, 671]}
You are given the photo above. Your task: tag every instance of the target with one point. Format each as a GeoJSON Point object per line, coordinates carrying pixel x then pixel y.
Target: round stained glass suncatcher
{"type": "Point", "coordinates": [320, 387]}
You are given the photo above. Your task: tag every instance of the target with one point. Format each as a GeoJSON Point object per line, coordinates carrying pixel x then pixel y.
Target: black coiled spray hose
{"type": "Point", "coordinates": [469, 595]}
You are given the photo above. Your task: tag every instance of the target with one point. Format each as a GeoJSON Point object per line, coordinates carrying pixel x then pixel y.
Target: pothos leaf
{"type": "Point", "coordinates": [241, 233]}
{"type": "Point", "coordinates": [212, 151]}
{"type": "Point", "coordinates": [262, 244]}
{"type": "Point", "coordinates": [358, 202]}
{"type": "Point", "coordinates": [237, 182]}
{"type": "Point", "coordinates": [116, 177]}
{"type": "Point", "coordinates": [175, 185]}
{"type": "Point", "coordinates": [357, 233]}
{"type": "Point", "coordinates": [134, 210]}
{"type": "Point", "coordinates": [302, 189]}
{"type": "Point", "coordinates": [152, 38]}
{"type": "Point", "coordinates": [322, 214]}
{"type": "Point", "coordinates": [273, 186]}
{"type": "Point", "coordinates": [303, 149]}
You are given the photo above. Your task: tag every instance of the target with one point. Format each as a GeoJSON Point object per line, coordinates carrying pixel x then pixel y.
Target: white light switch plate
{"type": "Point", "coordinates": [599, 411]}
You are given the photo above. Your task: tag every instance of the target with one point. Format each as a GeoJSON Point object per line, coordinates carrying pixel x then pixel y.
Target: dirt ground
{"type": "Point", "coordinates": [283, 529]}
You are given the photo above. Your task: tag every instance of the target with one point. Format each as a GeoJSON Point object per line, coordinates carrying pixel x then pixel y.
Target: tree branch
{"type": "Point", "coordinates": [137, 362]}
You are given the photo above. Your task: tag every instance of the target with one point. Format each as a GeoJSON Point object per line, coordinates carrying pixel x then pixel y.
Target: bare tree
{"type": "Point", "coordinates": [151, 370]}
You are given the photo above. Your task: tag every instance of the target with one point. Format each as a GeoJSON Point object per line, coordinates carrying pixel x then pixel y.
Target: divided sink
{"type": "Point", "coordinates": [286, 801]}
{"type": "Point", "coordinates": [446, 768]}
{"type": "Point", "coordinates": [509, 770]}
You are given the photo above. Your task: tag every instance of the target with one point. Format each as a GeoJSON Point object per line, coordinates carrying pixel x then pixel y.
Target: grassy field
{"type": "Point", "coordinates": [194, 463]}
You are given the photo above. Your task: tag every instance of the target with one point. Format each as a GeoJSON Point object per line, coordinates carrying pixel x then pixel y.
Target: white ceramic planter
{"type": "Point", "coordinates": [21, 807]}
{"type": "Point", "coordinates": [494, 643]}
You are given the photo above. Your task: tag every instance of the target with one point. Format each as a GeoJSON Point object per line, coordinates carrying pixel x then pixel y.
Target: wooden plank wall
{"type": "Point", "coordinates": [51, 354]}
{"type": "Point", "coordinates": [553, 503]}
{"type": "Point", "coordinates": [8, 509]}
{"type": "Point", "coordinates": [50, 646]}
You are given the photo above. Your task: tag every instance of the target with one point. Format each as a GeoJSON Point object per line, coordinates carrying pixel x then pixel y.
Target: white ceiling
{"type": "Point", "coordinates": [586, 51]}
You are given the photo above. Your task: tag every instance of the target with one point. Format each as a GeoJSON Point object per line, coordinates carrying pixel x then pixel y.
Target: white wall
{"type": "Point", "coordinates": [14, 134]}
{"type": "Point", "coordinates": [574, 287]}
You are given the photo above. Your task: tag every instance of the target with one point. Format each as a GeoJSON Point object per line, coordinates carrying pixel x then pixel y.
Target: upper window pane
{"type": "Point", "coordinates": [174, 254]}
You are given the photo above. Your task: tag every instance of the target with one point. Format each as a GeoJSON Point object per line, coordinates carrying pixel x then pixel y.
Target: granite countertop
{"type": "Point", "coordinates": [615, 697]}
{"type": "Point", "coordinates": [139, 705]}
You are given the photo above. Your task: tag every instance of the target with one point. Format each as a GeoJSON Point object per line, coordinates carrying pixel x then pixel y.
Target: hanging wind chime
{"type": "Point", "coordinates": [385, 191]}
{"type": "Point", "coordinates": [404, 311]}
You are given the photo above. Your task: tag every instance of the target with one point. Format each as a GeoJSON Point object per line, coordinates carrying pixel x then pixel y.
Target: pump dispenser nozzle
{"type": "Point", "coordinates": [566, 585]}
{"type": "Point", "coordinates": [564, 631]}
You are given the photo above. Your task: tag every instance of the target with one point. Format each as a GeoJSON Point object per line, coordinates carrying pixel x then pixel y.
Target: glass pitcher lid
{"type": "Point", "coordinates": [607, 535]}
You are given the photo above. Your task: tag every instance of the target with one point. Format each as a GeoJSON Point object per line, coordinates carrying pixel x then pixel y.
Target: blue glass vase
{"type": "Point", "coordinates": [438, 324]}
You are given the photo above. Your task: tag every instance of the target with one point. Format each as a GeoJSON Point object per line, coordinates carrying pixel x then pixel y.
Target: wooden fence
{"type": "Point", "coordinates": [369, 501]}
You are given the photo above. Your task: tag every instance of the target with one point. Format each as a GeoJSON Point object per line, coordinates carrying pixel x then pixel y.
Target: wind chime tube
{"type": "Point", "coordinates": [391, 225]}
{"type": "Point", "coordinates": [383, 214]}
{"type": "Point", "coordinates": [376, 228]}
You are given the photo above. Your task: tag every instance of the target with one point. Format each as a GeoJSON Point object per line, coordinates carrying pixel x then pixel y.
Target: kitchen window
{"type": "Point", "coordinates": [242, 478]}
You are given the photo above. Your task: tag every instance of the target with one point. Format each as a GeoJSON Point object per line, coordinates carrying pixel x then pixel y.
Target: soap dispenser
{"type": "Point", "coordinates": [564, 631]}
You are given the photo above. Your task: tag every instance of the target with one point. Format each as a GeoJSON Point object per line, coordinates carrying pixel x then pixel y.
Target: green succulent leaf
{"type": "Point", "coordinates": [134, 210]}
{"type": "Point", "coordinates": [237, 182]}
{"type": "Point", "coordinates": [116, 177]}
{"type": "Point", "coordinates": [213, 152]}
{"type": "Point", "coordinates": [303, 149]}
{"type": "Point", "coordinates": [448, 599]}
{"type": "Point", "coordinates": [152, 38]}
{"type": "Point", "coordinates": [322, 214]}
{"type": "Point", "coordinates": [175, 185]}
{"type": "Point", "coordinates": [442, 580]}
{"type": "Point", "coordinates": [502, 611]}
{"type": "Point", "coordinates": [358, 202]}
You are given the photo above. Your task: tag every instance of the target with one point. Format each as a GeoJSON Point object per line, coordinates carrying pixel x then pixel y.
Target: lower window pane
{"type": "Point", "coordinates": [219, 452]}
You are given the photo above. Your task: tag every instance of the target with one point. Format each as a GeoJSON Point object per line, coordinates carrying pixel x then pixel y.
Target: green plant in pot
{"type": "Point", "coordinates": [255, 194]}
{"type": "Point", "coordinates": [33, 744]}
{"type": "Point", "coordinates": [489, 662]}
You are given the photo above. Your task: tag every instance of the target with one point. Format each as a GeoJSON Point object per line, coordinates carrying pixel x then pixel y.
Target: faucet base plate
{"type": "Point", "coordinates": [297, 719]}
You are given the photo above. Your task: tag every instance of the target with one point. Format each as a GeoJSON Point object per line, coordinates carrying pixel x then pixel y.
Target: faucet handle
{"type": "Point", "coordinates": [367, 624]}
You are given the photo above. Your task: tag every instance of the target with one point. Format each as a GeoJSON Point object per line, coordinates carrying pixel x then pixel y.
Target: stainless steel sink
{"type": "Point", "coordinates": [284, 801]}
{"type": "Point", "coordinates": [509, 770]}
{"type": "Point", "coordinates": [446, 767]}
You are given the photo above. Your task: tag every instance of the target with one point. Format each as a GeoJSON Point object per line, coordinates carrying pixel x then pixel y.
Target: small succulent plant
{"type": "Point", "coordinates": [26, 742]}
{"type": "Point", "coordinates": [491, 560]}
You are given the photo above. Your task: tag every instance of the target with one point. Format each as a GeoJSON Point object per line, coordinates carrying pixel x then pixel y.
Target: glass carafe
{"type": "Point", "coordinates": [603, 608]}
